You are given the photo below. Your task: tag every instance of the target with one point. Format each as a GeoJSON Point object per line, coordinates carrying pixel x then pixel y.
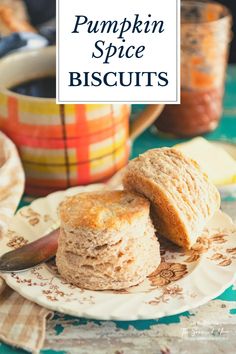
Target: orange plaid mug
{"type": "Point", "coordinates": [63, 145]}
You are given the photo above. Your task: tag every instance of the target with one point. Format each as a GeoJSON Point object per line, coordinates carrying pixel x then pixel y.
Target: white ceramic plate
{"type": "Point", "coordinates": [183, 281]}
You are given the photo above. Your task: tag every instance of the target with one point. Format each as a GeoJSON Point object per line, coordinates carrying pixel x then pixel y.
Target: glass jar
{"type": "Point", "coordinates": [205, 38]}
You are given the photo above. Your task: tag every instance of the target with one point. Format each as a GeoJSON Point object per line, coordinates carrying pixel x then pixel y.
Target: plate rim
{"type": "Point", "coordinates": [182, 309]}
{"type": "Point", "coordinates": [56, 307]}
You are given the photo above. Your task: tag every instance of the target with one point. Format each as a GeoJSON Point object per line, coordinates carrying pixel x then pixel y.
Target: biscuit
{"type": "Point", "coordinates": [107, 240]}
{"type": "Point", "coordinates": [182, 197]}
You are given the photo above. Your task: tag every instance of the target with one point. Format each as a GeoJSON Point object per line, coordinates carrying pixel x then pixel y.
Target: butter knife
{"type": "Point", "coordinates": [31, 254]}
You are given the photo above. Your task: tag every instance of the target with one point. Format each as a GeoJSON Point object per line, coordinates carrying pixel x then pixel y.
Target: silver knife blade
{"type": "Point", "coordinates": [31, 254]}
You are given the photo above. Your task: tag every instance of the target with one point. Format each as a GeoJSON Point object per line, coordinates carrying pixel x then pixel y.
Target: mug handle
{"type": "Point", "coordinates": [144, 120]}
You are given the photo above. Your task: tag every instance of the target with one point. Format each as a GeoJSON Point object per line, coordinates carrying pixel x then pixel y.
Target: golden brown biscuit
{"type": "Point", "coordinates": [107, 240]}
{"type": "Point", "coordinates": [182, 198]}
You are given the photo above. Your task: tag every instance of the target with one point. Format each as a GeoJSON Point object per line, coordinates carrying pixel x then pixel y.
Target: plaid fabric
{"type": "Point", "coordinates": [65, 145]}
{"type": "Point", "coordinates": [22, 323]}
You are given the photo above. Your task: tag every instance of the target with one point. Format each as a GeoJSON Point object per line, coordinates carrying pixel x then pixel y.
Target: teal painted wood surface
{"type": "Point", "coordinates": [212, 326]}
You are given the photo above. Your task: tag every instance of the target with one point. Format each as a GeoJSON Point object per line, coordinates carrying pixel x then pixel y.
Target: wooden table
{"type": "Point", "coordinates": [208, 329]}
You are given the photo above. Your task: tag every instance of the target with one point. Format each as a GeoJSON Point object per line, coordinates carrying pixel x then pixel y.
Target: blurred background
{"type": "Point", "coordinates": [42, 12]}
{"type": "Point", "coordinates": [208, 96]}
{"type": "Point", "coordinates": [231, 4]}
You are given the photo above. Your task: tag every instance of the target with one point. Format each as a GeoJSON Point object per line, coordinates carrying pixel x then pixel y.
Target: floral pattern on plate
{"type": "Point", "coordinates": [183, 280]}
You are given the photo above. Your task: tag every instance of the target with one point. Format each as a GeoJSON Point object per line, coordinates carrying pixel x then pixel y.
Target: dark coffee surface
{"type": "Point", "coordinates": [43, 87]}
